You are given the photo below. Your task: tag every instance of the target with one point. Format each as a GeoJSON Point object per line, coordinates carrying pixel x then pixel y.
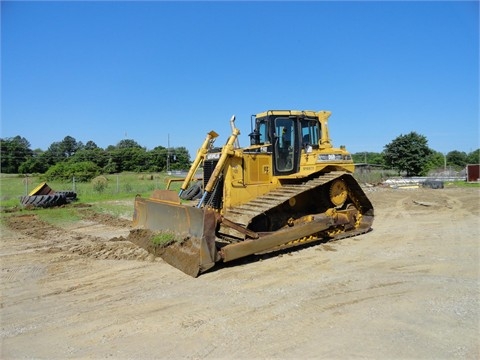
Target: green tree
{"type": "Point", "coordinates": [127, 144]}
{"type": "Point", "coordinates": [179, 158]}
{"type": "Point", "coordinates": [13, 152]}
{"type": "Point", "coordinates": [127, 155]}
{"type": "Point", "coordinates": [110, 167]}
{"type": "Point", "coordinates": [157, 159]}
{"type": "Point", "coordinates": [435, 162]}
{"type": "Point", "coordinates": [54, 154]}
{"type": "Point", "coordinates": [70, 146]}
{"type": "Point", "coordinates": [94, 154]}
{"type": "Point", "coordinates": [61, 150]}
{"type": "Point", "coordinates": [65, 171]}
{"type": "Point", "coordinates": [34, 164]}
{"type": "Point", "coordinates": [474, 157]}
{"type": "Point", "coordinates": [129, 159]}
{"type": "Point", "coordinates": [368, 157]}
{"type": "Point", "coordinates": [408, 153]}
{"type": "Point", "coordinates": [457, 159]}
{"type": "Point", "coordinates": [90, 145]}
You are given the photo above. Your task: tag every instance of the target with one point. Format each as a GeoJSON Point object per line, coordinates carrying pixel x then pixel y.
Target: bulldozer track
{"type": "Point", "coordinates": [244, 213]}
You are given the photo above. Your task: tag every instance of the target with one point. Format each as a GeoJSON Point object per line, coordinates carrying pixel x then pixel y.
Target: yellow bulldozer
{"type": "Point", "coordinates": [289, 187]}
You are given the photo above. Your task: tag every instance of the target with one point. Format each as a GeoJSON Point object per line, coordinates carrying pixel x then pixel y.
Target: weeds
{"type": "Point", "coordinates": [163, 238]}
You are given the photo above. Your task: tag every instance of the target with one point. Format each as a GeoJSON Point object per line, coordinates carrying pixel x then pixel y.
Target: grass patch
{"type": "Point", "coordinates": [117, 208]}
{"type": "Point", "coordinates": [462, 184]}
{"type": "Point", "coordinates": [163, 238]}
{"type": "Point", "coordinates": [122, 186]}
{"type": "Point", "coordinates": [116, 199]}
{"type": "Point", "coordinates": [58, 216]}
{"type": "Point", "coordinates": [9, 202]}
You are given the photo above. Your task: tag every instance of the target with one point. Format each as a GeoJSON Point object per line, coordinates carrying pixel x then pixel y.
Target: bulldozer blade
{"type": "Point", "coordinates": [191, 232]}
{"type": "Point", "coordinates": [42, 189]}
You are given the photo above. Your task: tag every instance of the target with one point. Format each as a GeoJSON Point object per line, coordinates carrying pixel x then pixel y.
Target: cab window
{"type": "Point", "coordinates": [310, 132]}
{"type": "Point", "coordinates": [263, 130]}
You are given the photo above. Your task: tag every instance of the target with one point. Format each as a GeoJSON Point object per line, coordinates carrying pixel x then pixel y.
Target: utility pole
{"type": "Point", "coordinates": [168, 154]}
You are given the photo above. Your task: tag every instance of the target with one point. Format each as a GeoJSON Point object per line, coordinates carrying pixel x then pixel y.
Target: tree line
{"type": "Point", "coordinates": [69, 157]}
{"type": "Point", "coordinates": [408, 154]}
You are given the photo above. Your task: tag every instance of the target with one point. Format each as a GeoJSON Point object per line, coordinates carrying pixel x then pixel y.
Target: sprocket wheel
{"type": "Point", "coordinates": [338, 192]}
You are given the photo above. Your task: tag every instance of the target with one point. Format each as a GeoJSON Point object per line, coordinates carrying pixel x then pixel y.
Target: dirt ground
{"type": "Point", "coordinates": [408, 289]}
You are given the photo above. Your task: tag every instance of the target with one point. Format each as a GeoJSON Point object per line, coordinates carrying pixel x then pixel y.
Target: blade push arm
{"type": "Point", "coordinates": [200, 156]}
{"type": "Point", "coordinates": [226, 151]}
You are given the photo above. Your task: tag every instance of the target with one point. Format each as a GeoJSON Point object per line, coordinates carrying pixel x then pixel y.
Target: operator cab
{"type": "Point", "coordinates": [285, 136]}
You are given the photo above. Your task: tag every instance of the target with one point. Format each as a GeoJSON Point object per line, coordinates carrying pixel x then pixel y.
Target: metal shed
{"type": "Point", "coordinates": [473, 172]}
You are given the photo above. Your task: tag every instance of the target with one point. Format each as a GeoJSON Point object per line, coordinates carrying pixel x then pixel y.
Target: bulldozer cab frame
{"type": "Point", "coordinates": [285, 135]}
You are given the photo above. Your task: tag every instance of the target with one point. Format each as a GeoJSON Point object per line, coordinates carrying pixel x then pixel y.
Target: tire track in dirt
{"type": "Point", "coordinates": [370, 296]}
{"type": "Point", "coordinates": [101, 241]}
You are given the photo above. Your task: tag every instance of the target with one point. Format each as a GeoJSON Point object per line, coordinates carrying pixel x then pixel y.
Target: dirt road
{"type": "Point", "coordinates": [408, 289]}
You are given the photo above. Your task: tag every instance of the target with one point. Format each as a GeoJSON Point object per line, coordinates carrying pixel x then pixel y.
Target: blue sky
{"type": "Point", "coordinates": [149, 71]}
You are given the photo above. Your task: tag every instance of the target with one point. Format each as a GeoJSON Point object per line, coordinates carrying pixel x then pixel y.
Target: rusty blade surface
{"type": "Point", "coordinates": [193, 248]}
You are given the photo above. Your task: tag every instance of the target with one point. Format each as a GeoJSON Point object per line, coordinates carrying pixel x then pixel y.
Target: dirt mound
{"type": "Point", "coordinates": [143, 238]}
{"type": "Point", "coordinates": [24, 222]}
{"type": "Point", "coordinates": [106, 219]}
{"type": "Point", "coordinates": [137, 245]}
{"type": "Point", "coordinates": [56, 239]}
{"type": "Point", "coordinates": [113, 250]}
{"type": "Point", "coordinates": [184, 254]}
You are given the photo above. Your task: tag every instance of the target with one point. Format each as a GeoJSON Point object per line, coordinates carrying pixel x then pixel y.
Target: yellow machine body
{"type": "Point", "coordinates": [290, 186]}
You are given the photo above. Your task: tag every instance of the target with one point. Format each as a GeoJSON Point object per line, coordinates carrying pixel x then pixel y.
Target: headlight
{"type": "Point", "coordinates": [214, 156]}
{"type": "Point", "coordinates": [331, 157]}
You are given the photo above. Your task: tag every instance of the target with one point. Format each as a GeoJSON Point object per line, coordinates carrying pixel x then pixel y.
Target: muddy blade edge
{"type": "Point", "coordinates": [193, 249]}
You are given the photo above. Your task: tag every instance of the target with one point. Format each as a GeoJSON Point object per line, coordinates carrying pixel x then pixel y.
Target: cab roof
{"type": "Point", "coordinates": [309, 113]}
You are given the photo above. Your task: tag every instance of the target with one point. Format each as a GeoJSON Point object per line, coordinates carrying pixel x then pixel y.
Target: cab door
{"type": "Point", "coordinates": [286, 147]}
